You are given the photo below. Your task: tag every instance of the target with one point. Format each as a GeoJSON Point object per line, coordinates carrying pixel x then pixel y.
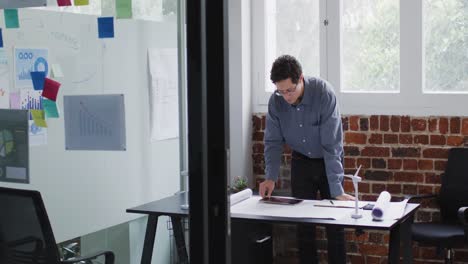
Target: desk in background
{"type": "Point", "coordinates": [400, 230]}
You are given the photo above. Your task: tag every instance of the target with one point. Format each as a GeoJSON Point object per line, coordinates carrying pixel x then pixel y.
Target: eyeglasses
{"type": "Point", "coordinates": [287, 91]}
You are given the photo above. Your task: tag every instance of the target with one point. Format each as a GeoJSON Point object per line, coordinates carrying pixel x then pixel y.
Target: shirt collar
{"type": "Point", "coordinates": [306, 96]}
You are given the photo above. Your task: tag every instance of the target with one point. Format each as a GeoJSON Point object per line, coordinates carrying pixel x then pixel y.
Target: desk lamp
{"type": "Point", "coordinates": [356, 179]}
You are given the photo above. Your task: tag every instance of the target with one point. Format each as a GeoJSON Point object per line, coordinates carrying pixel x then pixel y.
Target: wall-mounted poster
{"type": "Point", "coordinates": [28, 60]}
{"type": "Point", "coordinates": [14, 146]}
{"type": "Point", "coordinates": [4, 4]}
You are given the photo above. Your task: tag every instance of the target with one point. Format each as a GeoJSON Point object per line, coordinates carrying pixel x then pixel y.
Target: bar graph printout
{"type": "Point", "coordinates": [94, 122]}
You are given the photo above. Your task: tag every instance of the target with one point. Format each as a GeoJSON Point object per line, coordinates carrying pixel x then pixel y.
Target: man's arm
{"type": "Point", "coordinates": [273, 141]}
{"type": "Point", "coordinates": [331, 134]}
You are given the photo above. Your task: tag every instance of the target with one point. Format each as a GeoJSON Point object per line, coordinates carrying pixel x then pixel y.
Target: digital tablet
{"type": "Point", "coordinates": [281, 200]}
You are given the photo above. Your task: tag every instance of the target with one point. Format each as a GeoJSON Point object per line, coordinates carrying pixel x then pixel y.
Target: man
{"type": "Point", "coordinates": [303, 113]}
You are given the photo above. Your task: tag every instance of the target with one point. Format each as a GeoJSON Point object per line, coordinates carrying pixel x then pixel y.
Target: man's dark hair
{"type": "Point", "coordinates": [284, 67]}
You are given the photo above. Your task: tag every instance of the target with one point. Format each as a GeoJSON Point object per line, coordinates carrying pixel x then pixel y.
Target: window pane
{"type": "Point", "coordinates": [446, 45]}
{"type": "Point", "coordinates": [296, 32]}
{"type": "Point", "coordinates": [371, 45]}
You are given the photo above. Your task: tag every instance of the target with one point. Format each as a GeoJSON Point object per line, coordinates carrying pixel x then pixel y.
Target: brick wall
{"type": "Point", "coordinates": [400, 154]}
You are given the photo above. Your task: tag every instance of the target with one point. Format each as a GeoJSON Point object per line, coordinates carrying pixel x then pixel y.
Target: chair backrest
{"type": "Point", "coordinates": [25, 231]}
{"type": "Point", "coordinates": [454, 189]}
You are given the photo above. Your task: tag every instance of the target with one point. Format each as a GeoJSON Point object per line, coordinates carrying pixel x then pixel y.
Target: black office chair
{"type": "Point", "coordinates": [26, 235]}
{"type": "Point", "coordinates": [452, 230]}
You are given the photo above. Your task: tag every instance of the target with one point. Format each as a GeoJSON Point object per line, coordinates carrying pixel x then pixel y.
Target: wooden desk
{"type": "Point", "coordinates": [400, 230]}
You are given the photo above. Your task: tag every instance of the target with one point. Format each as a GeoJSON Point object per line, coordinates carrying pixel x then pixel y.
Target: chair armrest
{"type": "Point", "coordinates": [461, 216]}
{"type": "Point", "coordinates": [109, 257]}
{"type": "Point", "coordinates": [420, 196]}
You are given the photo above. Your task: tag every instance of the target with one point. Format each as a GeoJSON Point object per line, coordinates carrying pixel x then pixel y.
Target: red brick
{"type": "Point", "coordinates": [375, 139]}
{"type": "Point", "coordinates": [406, 139]}
{"type": "Point", "coordinates": [377, 175]}
{"type": "Point", "coordinates": [438, 140]}
{"type": "Point", "coordinates": [384, 123]}
{"type": "Point", "coordinates": [394, 164]}
{"type": "Point", "coordinates": [372, 260]}
{"type": "Point", "coordinates": [256, 123]}
{"type": "Point", "coordinates": [425, 189]}
{"type": "Point", "coordinates": [428, 253]}
{"type": "Point", "coordinates": [363, 187]}
{"type": "Point", "coordinates": [432, 124]}
{"type": "Point", "coordinates": [353, 258]}
{"type": "Point", "coordinates": [258, 148]}
{"type": "Point", "coordinates": [406, 152]}
{"type": "Point", "coordinates": [418, 124]}
{"type": "Point", "coordinates": [410, 189]}
{"type": "Point", "coordinates": [354, 123]}
{"type": "Point", "coordinates": [425, 164]}
{"type": "Point", "coordinates": [443, 125]}
{"type": "Point", "coordinates": [395, 123]}
{"type": "Point", "coordinates": [391, 138]}
{"type": "Point", "coordinates": [257, 136]}
{"type": "Point", "coordinates": [369, 197]}
{"type": "Point", "coordinates": [435, 153]}
{"type": "Point", "coordinates": [465, 126]}
{"type": "Point", "coordinates": [379, 164]}
{"type": "Point", "coordinates": [364, 124]}
{"type": "Point", "coordinates": [259, 169]}
{"type": "Point", "coordinates": [345, 123]}
{"type": "Point", "coordinates": [421, 139]}
{"type": "Point", "coordinates": [405, 124]}
{"type": "Point", "coordinates": [431, 178]}
{"type": "Point", "coordinates": [455, 140]}
{"type": "Point", "coordinates": [377, 188]}
{"type": "Point", "coordinates": [455, 125]}
{"type": "Point", "coordinates": [408, 177]}
{"type": "Point", "coordinates": [394, 188]}
{"type": "Point", "coordinates": [410, 164]}
{"type": "Point", "coordinates": [348, 186]}
{"type": "Point", "coordinates": [351, 151]}
{"type": "Point", "coordinates": [356, 138]}
{"type": "Point", "coordinates": [439, 165]}
{"type": "Point", "coordinates": [349, 163]}
{"type": "Point", "coordinates": [263, 122]}
{"type": "Point", "coordinates": [365, 162]}
{"type": "Point", "coordinates": [258, 159]}
{"type": "Point", "coordinates": [372, 249]}
{"type": "Point", "coordinates": [375, 152]}
{"type": "Point", "coordinates": [374, 122]}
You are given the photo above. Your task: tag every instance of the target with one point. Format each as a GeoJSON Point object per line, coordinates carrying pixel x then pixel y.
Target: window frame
{"type": "Point", "coordinates": [410, 100]}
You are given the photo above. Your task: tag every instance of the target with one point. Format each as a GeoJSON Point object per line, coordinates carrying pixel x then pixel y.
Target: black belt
{"type": "Point", "coordinates": [297, 155]}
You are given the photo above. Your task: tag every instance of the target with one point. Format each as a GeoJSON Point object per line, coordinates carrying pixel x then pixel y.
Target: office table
{"type": "Point", "coordinates": [400, 230]}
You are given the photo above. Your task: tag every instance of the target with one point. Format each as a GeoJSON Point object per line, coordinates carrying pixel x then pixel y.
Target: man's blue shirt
{"type": "Point", "coordinates": [312, 128]}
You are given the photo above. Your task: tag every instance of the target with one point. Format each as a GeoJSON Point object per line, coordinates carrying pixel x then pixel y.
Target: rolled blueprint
{"type": "Point", "coordinates": [240, 196]}
{"type": "Point", "coordinates": [381, 206]}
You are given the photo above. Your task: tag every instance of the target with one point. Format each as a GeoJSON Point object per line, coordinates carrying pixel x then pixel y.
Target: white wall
{"type": "Point", "coordinates": [87, 191]}
{"type": "Point", "coordinates": [240, 107]}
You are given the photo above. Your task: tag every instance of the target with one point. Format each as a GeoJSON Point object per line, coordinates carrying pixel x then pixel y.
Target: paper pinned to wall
{"type": "Point", "coordinates": [27, 60]}
{"type": "Point", "coordinates": [164, 99]}
{"type": "Point", "coordinates": [4, 80]}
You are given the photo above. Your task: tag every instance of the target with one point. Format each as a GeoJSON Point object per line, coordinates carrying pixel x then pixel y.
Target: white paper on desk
{"type": "Point", "coordinates": [350, 204]}
{"type": "Point", "coordinates": [305, 209]}
{"type": "Point", "coordinates": [240, 196]}
{"type": "Point", "coordinates": [164, 89]}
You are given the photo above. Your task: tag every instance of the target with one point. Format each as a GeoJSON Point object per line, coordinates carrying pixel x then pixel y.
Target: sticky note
{"type": "Point", "coordinates": [64, 2]}
{"type": "Point", "coordinates": [106, 27]}
{"type": "Point", "coordinates": [123, 8]}
{"type": "Point", "coordinates": [38, 78]}
{"type": "Point", "coordinates": [51, 88]}
{"type": "Point", "coordinates": [56, 71]}
{"type": "Point", "coordinates": [1, 38]}
{"type": "Point", "coordinates": [38, 117]}
{"type": "Point", "coordinates": [50, 108]}
{"type": "Point", "coordinates": [15, 100]}
{"type": "Point", "coordinates": [11, 18]}
{"type": "Point", "coordinates": [81, 2]}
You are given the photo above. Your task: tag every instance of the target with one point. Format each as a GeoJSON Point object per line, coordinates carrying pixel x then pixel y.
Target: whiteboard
{"type": "Point", "coordinates": [86, 191]}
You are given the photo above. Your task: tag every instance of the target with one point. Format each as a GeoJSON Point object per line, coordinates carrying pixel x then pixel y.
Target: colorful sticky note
{"type": "Point", "coordinates": [106, 27]}
{"type": "Point", "coordinates": [38, 78]}
{"type": "Point", "coordinates": [123, 8]}
{"type": "Point", "coordinates": [11, 18]}
{"type": "Point", "coordinates": [51, 88]}
{"type": "Point", "coordinates": [64, 2]}
{"type": "Point", "coordinates": [50, 108]}
{"type": "Point", "coordinates": [15, 100]}
{"type": "Point", "coordinates": [56, 70]}
{"type": "Point", "coordinates": [1, 38]}
{"type": "Point", "coordinates": [81, 2]}
{"type": "Point", "coordinates": [38, 117]}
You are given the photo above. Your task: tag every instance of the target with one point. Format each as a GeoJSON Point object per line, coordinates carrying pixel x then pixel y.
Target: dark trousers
{"type": "Point", "coordinates": [308, 178]}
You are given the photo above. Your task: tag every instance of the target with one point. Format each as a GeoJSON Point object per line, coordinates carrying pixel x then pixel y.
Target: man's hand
{"type": "Point", "coordinates": [345, 197]}
{"type": "Point", "coordinates": [267, 186]}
